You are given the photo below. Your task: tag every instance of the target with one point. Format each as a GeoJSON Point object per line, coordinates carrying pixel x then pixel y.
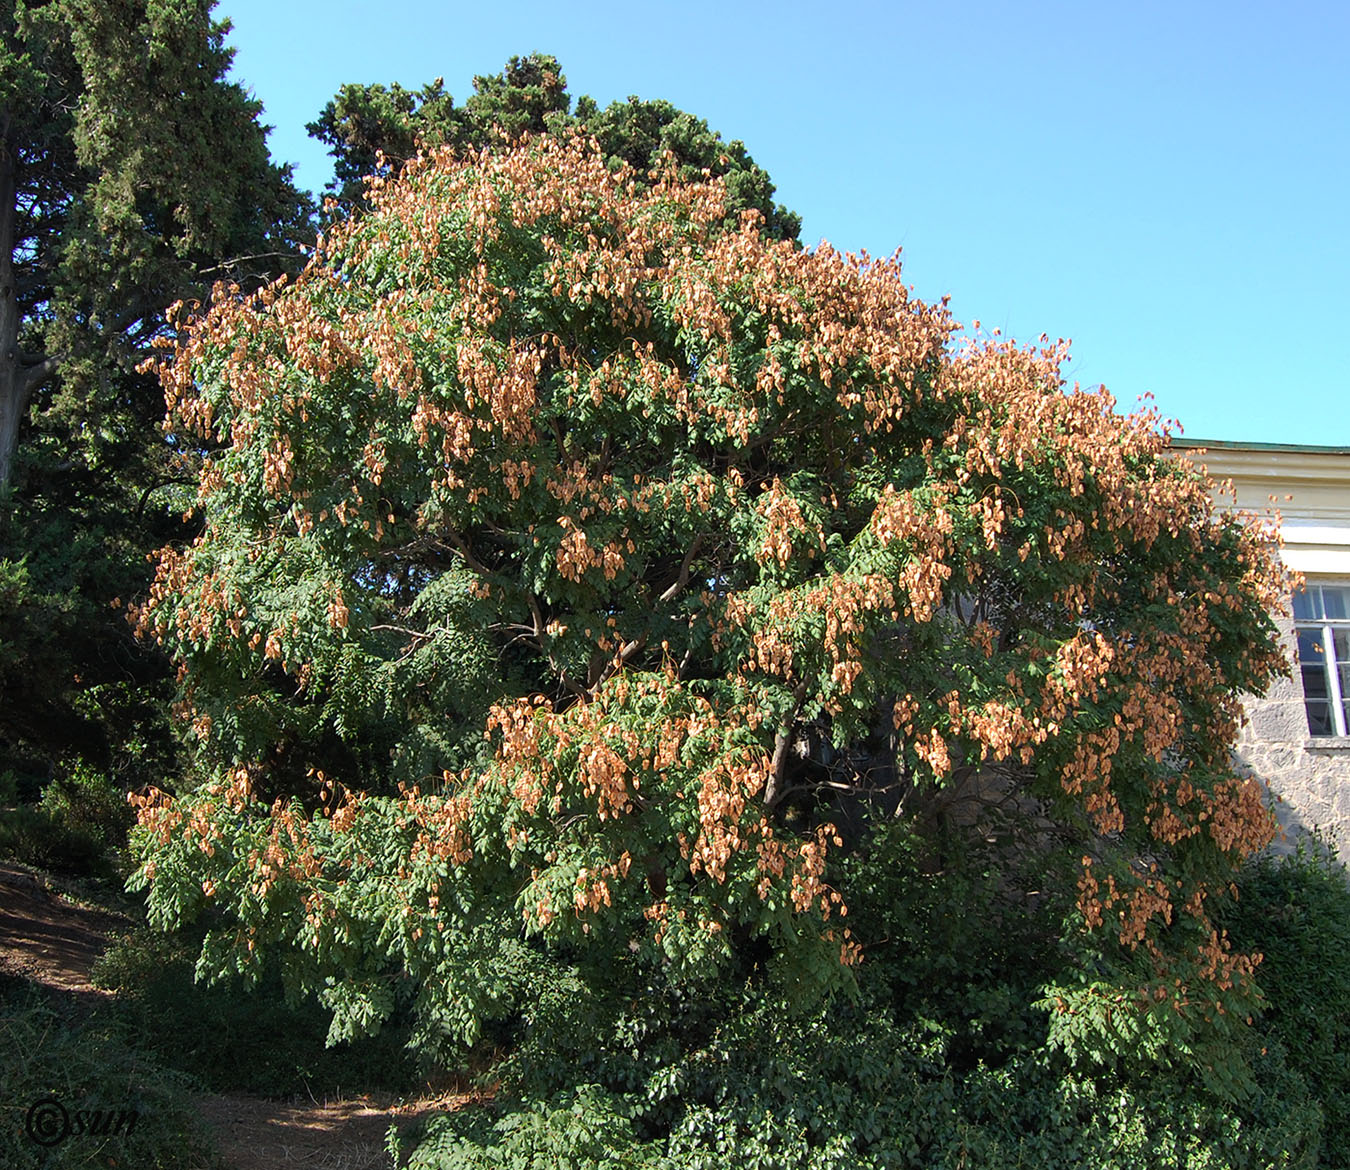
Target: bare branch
{"type": "Point", "coordinates": [226, 265]}
{"type": "Point", "coordinates": [619, 661]}
{"type": "Point", "coordinates": [683, 579]}
{"type": "Point", "coordinates": [422, 635]}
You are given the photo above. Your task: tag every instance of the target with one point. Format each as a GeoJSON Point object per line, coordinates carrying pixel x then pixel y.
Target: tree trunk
{"type": "Point", "coordinates": [12, 404]}
{"type": "Point", "coordinates": [17, 379]}
{"type": "Point", "coordinates": [14, 386]}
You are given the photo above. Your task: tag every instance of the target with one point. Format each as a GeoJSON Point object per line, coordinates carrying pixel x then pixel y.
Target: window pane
{"type": "Point", "coordinates": [1303, 606]}
{"type": "Point", "coordinates": [1333, 602]}
{"type": "Point", "coordinates": [1319, 719]}
{"type": "Point", "coordinates": [1340, 640]}
{"type": "Point", "coordinates": [1314, 683]}
{"type": "Point", "coordinates": [1310, 648]}
{"type": "Point", "coordinates": [1316, 686]}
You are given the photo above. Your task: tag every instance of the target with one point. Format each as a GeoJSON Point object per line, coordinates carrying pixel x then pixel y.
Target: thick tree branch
{"type": "Point", "coordinates": [159, 483]}
{"type": "Point", "coordinates": [773, 790]}
{"type": "Point", "coordinates": [612, 667]}
{"type": "Point", "coordinates": [683, 579]}
{"type": "Point", "coordinates": [34, 376]}
{"type": "Point", "coordinates": [466, 554]}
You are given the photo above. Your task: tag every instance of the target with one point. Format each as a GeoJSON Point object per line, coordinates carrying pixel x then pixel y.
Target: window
{"type": "Point", "coordinates": [1322, 622]}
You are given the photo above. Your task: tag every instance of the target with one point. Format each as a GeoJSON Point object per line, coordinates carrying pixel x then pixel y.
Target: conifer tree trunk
{"type": "Point", "coordinates": [13, 389]}
{"type": "Point", "coordinates": [18, 379]}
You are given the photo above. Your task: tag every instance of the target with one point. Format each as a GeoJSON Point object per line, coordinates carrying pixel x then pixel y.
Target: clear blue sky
{"type": "Point", "coordinates": [1168, 184]}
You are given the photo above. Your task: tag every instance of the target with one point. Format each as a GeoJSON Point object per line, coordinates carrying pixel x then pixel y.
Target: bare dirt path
{"type": "Point", "coordinates": [48, 939]}
{"type": "Point", "coordinates": [337, 1135]}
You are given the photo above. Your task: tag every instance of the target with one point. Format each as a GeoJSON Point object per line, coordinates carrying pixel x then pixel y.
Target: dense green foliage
{"type": "Point", "coordinates": [375, 129]}
{"type": "Point", "coordinates": [132, 174]}
{"type": "Point", "coordinates": [135, 174]}
{"type": "Point", "coordinates": [78, 826]}
{"type": "Point", "coordinates": [232, 1042]}
{"type": "Point", "coordinates": [933, 1065]}
{"type": "Point", "coordinates": [1296, 912]}
{"type": "Point", "coordinates": [826, 1099]}
{"type": "Point", "coordinates": [91, 1064]}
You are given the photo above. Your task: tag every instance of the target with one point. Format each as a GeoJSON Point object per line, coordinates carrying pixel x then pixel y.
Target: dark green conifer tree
{"type": "Point", "coordinates": [133, 174]}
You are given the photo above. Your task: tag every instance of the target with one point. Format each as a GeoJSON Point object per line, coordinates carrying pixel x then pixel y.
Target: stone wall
{"type": "Point", "coordinates": [1308, 776]}
{"type": "Point", "coordinates": [1309, 487]}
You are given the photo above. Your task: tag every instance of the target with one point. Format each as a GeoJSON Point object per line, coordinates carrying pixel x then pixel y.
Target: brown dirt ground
{"type": "Point", "coordinates": [48, 939]}
{"type": "Point", "coordinates": [335, 1135]}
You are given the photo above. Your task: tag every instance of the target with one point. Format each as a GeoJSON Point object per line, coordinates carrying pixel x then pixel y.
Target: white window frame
{"type": "Point", "coordinates": [1326, 627]}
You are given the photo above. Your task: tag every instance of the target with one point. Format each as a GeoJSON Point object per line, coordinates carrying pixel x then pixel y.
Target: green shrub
{"type": "Point", "coordinates": [849, 1088]}
{"type": "Point", "coordinates": [32, 836]}
{"type": "Point", "coordinates": [88, 801]}
{"type": "Point", "coordinates": [77, 827]}
{"type": "Point", "coordinates": [936, 1061]}
{"type": "Point", "coordinates": [90, 1065]}
{"type": "Point", "coordinates": [236, 1038]}
{"type": "Point", "coordinates": [951, 935]}
{"type": "Point", "coordinates": [1295, 910]}
{"type": "Point", "coordinates": [587, 1129]}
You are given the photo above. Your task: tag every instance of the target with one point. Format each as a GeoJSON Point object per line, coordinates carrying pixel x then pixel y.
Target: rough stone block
{"type": "Point", "coordinates": [1275, 721]}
